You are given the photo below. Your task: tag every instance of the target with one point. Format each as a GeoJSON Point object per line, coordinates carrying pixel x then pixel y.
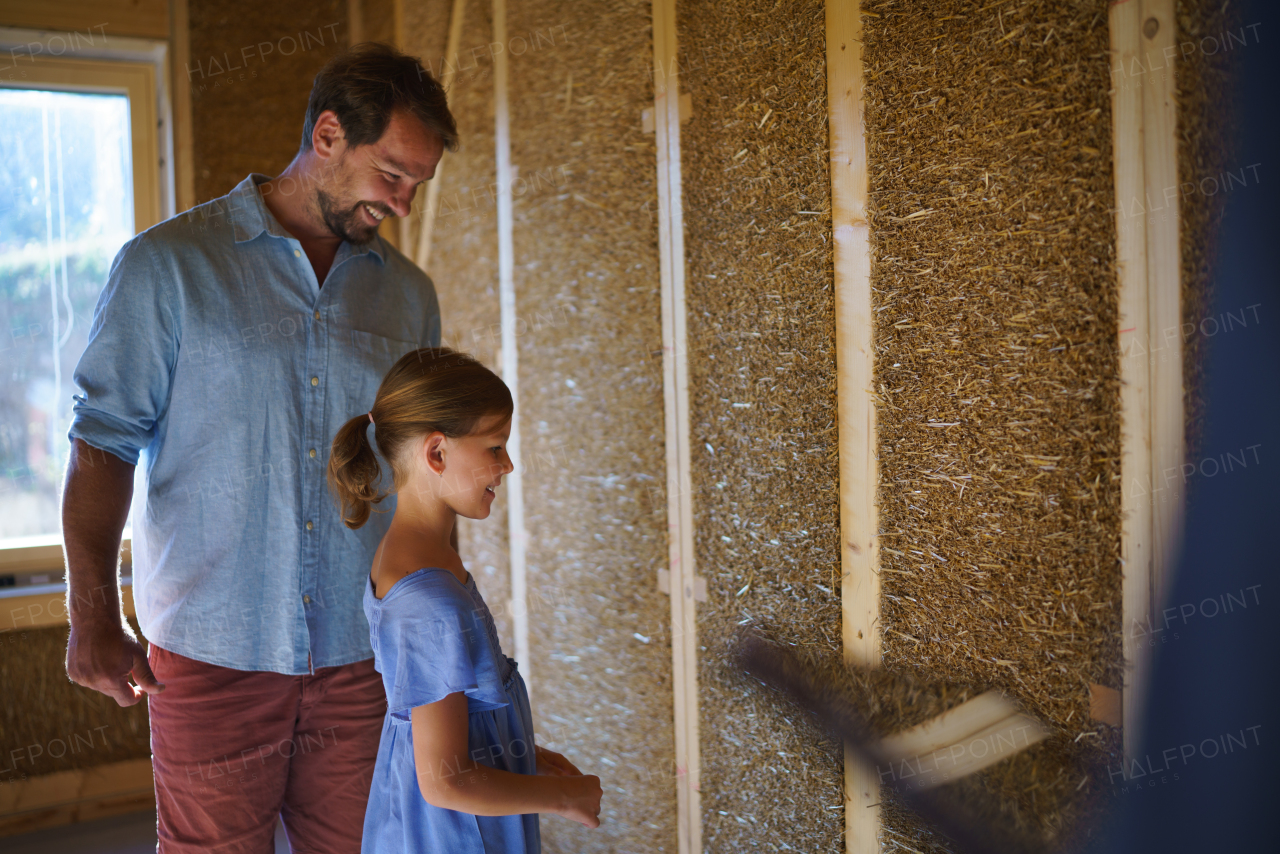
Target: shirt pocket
{"type": "Point", "coordinates": [366, 358]}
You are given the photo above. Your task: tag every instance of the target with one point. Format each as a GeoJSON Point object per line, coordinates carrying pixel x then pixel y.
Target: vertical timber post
{"type": "Point", "coordinates": [859, 547]}
{"type": "Point", "coordinates": [1144, 141]}
{"type": "Point", "coordinates": [675, 372]}
{"type": "Point", "coordinates": [517, 536]}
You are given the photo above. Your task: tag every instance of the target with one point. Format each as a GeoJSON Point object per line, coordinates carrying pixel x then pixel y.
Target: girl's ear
{"type": "Point", "coordinates": [434, 452]}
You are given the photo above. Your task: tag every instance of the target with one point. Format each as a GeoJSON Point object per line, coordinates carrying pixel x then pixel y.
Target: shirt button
{"type": "Point", "coordinates": [312, 452]}
{"type": "Point", "coordinates": [306, 600]}
{"type": "Point", "coordinates": [297, 253]}
{"type": "Point", "coordinates": [317, 315]}
{"type": "Point", "coordinates": [315, 381]}
{"type": "Point", "coordinates": [309, 526]}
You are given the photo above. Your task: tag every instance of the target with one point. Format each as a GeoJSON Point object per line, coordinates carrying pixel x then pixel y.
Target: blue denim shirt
{"type": "Point", "coordinates": [215, 351]}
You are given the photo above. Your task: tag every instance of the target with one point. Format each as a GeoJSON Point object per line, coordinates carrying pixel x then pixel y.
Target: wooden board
{"type": "Point", "coordinates": [1148, 261]}
{"type": "Point", "coordinates": [860, 585]}
{"type": "Point", "coordinates": [431, 206]}
{"type": "Point", "coordinates": [65, 797]}
{"type": "Point", "coordinates": [44, 605]}
{"type": "Point", "coordinates": [675, 367]}
{"type": "Point", "coordinates": [517, 536]}
{"type": "Point", "coordinates": [184, 179]}
{"type": "Point", "coordinates": [145, 18]}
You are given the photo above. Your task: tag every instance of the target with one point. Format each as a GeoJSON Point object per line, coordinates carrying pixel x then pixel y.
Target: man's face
{"type": "Point", "coordinates": [369, 182]}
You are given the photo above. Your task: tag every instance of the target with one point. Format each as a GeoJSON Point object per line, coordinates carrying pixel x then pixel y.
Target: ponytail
{"type": "Point", "coordinates": [353, 471]}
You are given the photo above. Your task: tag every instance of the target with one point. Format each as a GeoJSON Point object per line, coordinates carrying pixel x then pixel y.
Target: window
{"type": "Point", "coordinates": [81, 173]}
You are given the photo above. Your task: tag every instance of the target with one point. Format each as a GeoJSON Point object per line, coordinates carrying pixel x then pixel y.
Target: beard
{"type": "Point", "coordinates": [347, 222]}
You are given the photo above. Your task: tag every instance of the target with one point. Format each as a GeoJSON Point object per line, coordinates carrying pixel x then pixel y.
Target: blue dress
{"type": "Point", "coordinates": [433, 636]}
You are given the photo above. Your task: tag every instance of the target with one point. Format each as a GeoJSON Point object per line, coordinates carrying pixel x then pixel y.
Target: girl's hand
{"type": "Point", "coordinates": [582, 799]}
{"type": "Point", "coordinates": [552, 764]}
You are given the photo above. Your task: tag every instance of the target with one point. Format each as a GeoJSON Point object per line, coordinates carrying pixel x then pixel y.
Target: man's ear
{"type": "Point", "coordinates": [327, 137]}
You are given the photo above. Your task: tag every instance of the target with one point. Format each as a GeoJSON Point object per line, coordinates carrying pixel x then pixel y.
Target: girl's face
{"type": "Point", "coordinates": [470, 468]}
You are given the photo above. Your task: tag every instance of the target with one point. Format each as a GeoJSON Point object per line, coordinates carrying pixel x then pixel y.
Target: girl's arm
{"type": "Point", "coordinates": [450, 778]}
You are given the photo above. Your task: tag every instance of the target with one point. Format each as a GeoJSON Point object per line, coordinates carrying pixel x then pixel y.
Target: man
{"type": "Point", "coordinates": [231, 343]}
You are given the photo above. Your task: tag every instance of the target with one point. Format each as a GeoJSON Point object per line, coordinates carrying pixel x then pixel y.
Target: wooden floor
{"type": "Point", "coordinates": [122, 834]}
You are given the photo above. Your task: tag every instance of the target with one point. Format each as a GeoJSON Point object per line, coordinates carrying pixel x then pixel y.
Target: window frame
{"type": "Point", "coordinates": [138, 69]}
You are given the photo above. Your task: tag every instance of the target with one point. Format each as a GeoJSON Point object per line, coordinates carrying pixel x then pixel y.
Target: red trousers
{"type": "Point", "coordinates": [234, 749]}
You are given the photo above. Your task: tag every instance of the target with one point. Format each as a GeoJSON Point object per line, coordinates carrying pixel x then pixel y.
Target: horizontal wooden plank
{"type": "Point", "coordinates": [949, 727]}
{"type": "Point", "coordinates": [145, 18]}
{"type": "Point", "coordinates": [66, 797]}
{"type": "Point", "coordinates": [40, 606]}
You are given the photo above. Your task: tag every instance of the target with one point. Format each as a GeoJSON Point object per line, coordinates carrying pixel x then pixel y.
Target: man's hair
{"type": "Point", "coordinates": [364, 84]}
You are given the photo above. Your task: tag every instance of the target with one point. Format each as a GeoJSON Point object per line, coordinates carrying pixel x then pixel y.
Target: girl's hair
{"type": "Point", "coordinates": [428, 390]}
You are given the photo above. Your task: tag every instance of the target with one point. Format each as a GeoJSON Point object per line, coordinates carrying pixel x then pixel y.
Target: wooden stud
{"type": "Point", "coordinates": [517, 536]}
{"type": "Point", "coordinates": [355, 22]}
{"type": "Point", "coordinates": [683, 582]}
{"type": "Point", "coordinates": [184, 170]}
{"type": "Point", "coordinates": [427, 223]}
{"type": "Point", "coordinates": [1164, 286]}
{"type": "Point", "coordinates": [859, 554]}
{"type": "Point", "coordinates": [1143, 113]}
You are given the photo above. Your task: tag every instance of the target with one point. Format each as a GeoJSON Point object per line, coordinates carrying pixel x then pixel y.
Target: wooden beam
{"type": "Point", "coordinates": [184, 171]}
{"type": "Point", "coordinates": [43, 605]}
{"type": "Point", "coordinates": [66, 797]}
{"type": "Point", "coordinates": [859, 553]}
{"type": "Point", "coordinates": [1144, 143]}
{"type": "Point", "coordinates": [683, 582]}
{"type": "Point", "coordinates": [100, 18]}
{"type": "Point", "coordinates": [1164, 288]}
{"type": "Point", "coordinates": [427, 224]}
{"type": "Point", "coordinates": [355, 22]}
{"type": "Point", "coordinates": [517, 536]}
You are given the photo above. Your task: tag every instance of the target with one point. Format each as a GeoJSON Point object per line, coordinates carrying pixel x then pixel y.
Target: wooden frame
{"type": "Point", "coordinates": [141, 70]}
{"type": "Point", "coordinates": [517, 536]}
{"type": "Point", "coordinates": [138, 81]}
{"type": "Point", "coordinates": [1144, 118]}
{"type": "Point", "coordinates": [682, 583]}
{"type": "Point", "coordinates": [859, 552]}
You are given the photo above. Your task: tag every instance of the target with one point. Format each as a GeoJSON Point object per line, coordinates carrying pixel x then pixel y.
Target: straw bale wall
{"type": "Point", "coordinates": [763, 406]}
{"type": "Point", "coordinates": [250, 70]}
{"type": "Point", "coordinates": [48, 724]}
{"type": "Point", "coordinates": [589, 339]}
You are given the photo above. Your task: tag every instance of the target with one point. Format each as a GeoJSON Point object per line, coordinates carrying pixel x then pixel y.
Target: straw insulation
{"type": "Point", "coordinates": [761, 331]}
{"type": "Point", "coordinates": [48, 723]}
{"type": "Point", "coordinates": [995, 304]}
{"type": "Point", "coordinates": [589, 338]}
{"type": "Point", "coordinates": [250, 73]}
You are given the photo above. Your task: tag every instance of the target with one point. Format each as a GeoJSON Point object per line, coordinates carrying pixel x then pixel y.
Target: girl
{"type": "Point", "coordinates": [456, 764]}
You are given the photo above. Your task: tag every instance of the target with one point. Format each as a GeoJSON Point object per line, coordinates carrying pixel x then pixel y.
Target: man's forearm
{"type": "Point", "coordinates": [95, 505]}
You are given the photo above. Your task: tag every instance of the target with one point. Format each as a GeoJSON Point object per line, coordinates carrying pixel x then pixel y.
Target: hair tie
{"type": "Point", "coordinates": [371, 416]}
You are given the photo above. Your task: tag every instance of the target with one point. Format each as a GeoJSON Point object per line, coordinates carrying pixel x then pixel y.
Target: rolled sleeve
{"type": "Point", "coordinates": [125, 373]}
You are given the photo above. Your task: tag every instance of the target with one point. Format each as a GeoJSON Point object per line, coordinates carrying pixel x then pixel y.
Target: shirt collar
{"type": "Point", "coordinates": [250, 217]}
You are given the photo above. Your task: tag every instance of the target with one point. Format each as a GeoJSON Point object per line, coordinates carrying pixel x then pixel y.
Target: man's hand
{"type": "Point", "coordinates": [102, 652]}
{"type": "Point", "coordinates": [552, 764]}
{"type": "Point", "coordinates": [103, 656]}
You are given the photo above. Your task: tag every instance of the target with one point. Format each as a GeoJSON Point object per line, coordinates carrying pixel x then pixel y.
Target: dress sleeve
{"type": "Point", "coordinates": [127, 366]}
{"type": "Point", "coordinates": [440, 648]}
